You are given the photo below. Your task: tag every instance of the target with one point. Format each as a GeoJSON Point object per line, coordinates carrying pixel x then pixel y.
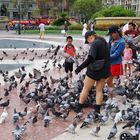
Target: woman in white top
{"type": "Point", "coordinates": [84, 29]}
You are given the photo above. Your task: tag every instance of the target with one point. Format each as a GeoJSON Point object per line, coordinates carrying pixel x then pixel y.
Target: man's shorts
{"type": "Point", "coordinates": [116, 69]}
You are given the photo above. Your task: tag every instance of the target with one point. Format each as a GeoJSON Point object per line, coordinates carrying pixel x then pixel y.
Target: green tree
{"type": "Point", "coordinates": [63, 14]}
{"type": "Point", "coordinates": [86, 8]}
{"type": "Point", "coordinates": [114, 11]}
{"type": "Point", "coordinates": [60, 21]}
{"type": "Point", "coordinates": [43, 7]}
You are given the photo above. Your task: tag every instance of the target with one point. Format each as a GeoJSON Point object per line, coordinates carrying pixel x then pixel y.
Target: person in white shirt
{"type": "Point", "coordinates": [42, 30]}
{"type": "Point", "coordinates": [84, 29]}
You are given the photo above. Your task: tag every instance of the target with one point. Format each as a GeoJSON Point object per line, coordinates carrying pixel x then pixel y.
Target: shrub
{"type": "Point", "coordinates": [60, 22]}
{"type": "Point", "coordinates": [114, 11]}
{"type": "Point", "coordinates": [75, 27]}
{"type": "Point", "coordinates": [63, 15]}
{"type": "Point", "coordinates": [53, 27]}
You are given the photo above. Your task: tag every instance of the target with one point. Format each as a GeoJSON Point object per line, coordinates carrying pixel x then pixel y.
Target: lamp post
{"type": "Point", "coordinates": [19, 16]}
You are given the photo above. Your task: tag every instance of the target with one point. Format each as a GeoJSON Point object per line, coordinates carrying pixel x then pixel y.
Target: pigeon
{"type": "Point", "coordinates": [32, 59]}
{"type": "Point", "coordinates": [1, 58]}
{"type": "Point", "coordinates": [32, 51]}
{"type": "Point", "coordinates": [129, 124]}
{"type": "Point", "coordinates": [23, 58]}
{"type": "Point", "coordinates": [3, 116]}
{"type": "Point", "coordinates": [65, 114]}
{"type": "Point", "coordinates": [34, 120]}
{"type": "Point", "coordinates": [47, 70]}
{"type": "Point", "coordinates": [56, 113]}
{"type": "Point", "coordinates": [5, 104]}
{"type": "Point", "coordinates": [124, 116]}
{"type": "Point", "coordinates": [37, 73]}
{"type": "Point", "coordinates": [17, 132]}
{"type": "Point", "coordinates": [53, 81]}
{"type": "Point", "coordinates": [56, 50]}
{"type": "Point", "coordinates": [15, 57]}
{"type": "Point", "coordinates": [15, 116]}
{"type": "Point", "coordinates": [104, 119]}
{"type": "Point", "coordinates": [87, 121]}
{"type": "Point", "coordinates": [18, 74]}
{"type": "Point", "coordinates": [26, 100]}
{"type": "Point", "coordinates": [95, 130]}
{"type": "Point", "coordinates": [113, 132]}
{"type": "Point", "coordinates": [71, 128]}
{"type": "Point", "coordinates": [47, 62]}
{"type": "Point", "coordinates": [47, 119]}
{"type": "Point", "coordinates": [79, 116]}
{"type": "Point", "coordinates": [22, 77]}
{"type": "Point", "coordinates": [4, 53]}
{"type": "Point", "coordinates": [118, 117]}
{"type": "Point", "coordinates": [23, 114]}
{"type": "Point", "coordinates": [6, 93]}
{"type": "Point", "coordinates": [30, 75]}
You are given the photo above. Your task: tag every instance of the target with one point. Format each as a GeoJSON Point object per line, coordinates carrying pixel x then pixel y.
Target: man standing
{"type": "Point", "coordinates": [42, 30]}
{"type": "Point", "coordinates": [131, 32]}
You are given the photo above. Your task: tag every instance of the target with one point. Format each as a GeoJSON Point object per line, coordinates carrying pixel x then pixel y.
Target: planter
{"type": "Point", "coordinates": [3, 22]}
{"type": "Point", "coordinates": [105, 22]}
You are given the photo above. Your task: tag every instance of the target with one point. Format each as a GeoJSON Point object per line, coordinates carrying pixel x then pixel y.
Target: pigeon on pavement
{"type": "Point", "coordinates": [3, 116]}
{"type": "Point", "coordinates": [113, 132]}
{"type": "Point", "coordinates": [95, 130]}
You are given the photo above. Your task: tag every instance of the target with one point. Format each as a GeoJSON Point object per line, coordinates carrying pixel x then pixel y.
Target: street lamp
{"type": "Point", "coordinates": [19, 16]}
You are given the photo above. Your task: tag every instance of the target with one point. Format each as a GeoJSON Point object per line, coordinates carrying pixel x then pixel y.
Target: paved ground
{"type": "Point", "coordinates": [38, 132]}
{"type": "Point", "coordinates": [9, 64]}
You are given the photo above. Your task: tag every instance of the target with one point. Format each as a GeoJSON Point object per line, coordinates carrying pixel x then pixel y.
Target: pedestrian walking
{"type": "Point", "coordinates": [7, 27]}
{"type": "Point", "coordinates": [65, 28]}
{"type": "Point", "coordinates": [42, 30]}
{"type": "Point", "coordinates": [84, 29]}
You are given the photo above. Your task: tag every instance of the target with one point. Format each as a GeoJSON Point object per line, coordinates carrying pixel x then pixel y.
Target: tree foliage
{"type": "Point", "coordinates": [114, 11]}
{"type": "Point", "coordinates": [63, 14]}
{"type": "Point", "coordinates": [60, 21]}
{"type": "Point", "coordinates": [86, 8]}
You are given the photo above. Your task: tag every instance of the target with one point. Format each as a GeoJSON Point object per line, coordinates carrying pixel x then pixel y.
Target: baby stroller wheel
{"type": "Point", "coordinates": [124, 135]}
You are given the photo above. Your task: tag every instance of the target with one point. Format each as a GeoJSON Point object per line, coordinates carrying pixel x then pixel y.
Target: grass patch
{"type": "Point", "coordinates": [76, 32]}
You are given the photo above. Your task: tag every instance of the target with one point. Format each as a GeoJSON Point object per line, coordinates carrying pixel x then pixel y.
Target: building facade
{"type": "Point", "coordinates": [30, 8]}
{"type": "Point", "coordinates": [27, 8]}
{"type": "Point", "coordinates": [54, 7]}
{"type": "Point", "coordinates": [129, 4]}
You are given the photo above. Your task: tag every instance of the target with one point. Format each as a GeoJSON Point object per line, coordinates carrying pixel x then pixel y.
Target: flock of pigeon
{"type": "Point", "coordinates": [55, 98]}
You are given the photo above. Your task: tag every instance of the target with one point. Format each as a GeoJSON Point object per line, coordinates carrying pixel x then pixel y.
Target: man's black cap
{"type": "Point", "coordinates": [87, 34]}
{"type": "Point", "coordinates": [113, 29]}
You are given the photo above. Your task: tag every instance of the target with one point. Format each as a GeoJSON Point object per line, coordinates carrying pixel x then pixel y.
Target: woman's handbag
{"type": "Point", "coordinates": [97, 65]}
